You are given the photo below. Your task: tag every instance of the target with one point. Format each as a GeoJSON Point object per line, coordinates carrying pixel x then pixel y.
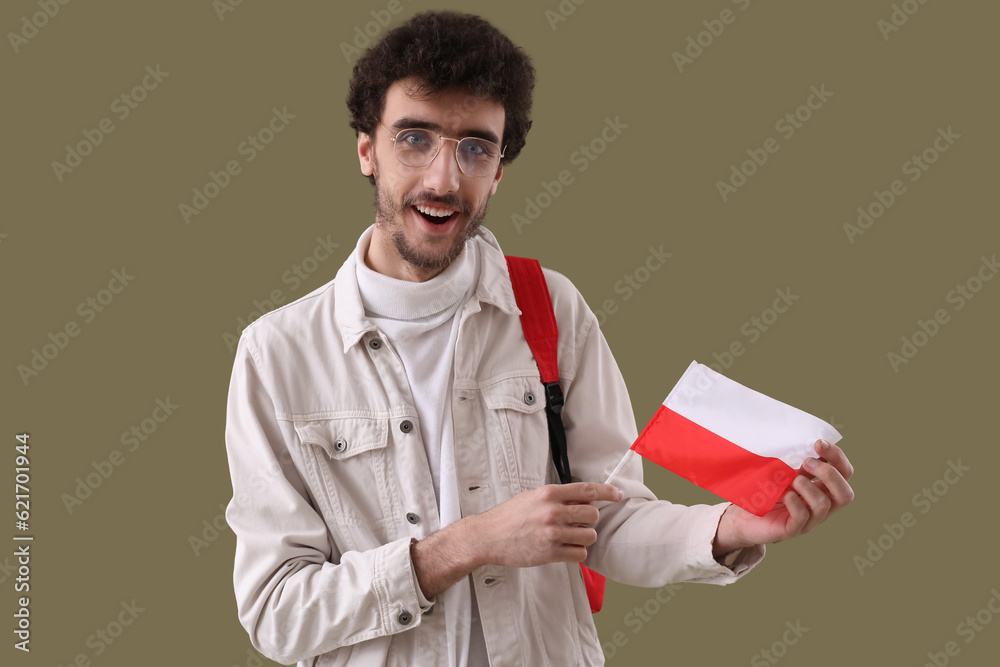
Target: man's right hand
{"type": "Point", "coordinates": [550, 524]}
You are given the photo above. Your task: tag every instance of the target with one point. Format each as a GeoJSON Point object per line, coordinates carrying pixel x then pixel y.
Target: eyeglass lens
{"type": "Point", "coordinates": [476, 157]}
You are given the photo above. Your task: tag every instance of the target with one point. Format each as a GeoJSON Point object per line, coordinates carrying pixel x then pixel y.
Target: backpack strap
{"type": "Point", "coordinates": [538, 320]}
{"type": "Point", "coordinates": [542, 333]}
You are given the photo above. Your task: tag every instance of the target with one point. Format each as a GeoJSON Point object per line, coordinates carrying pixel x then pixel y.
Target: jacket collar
{"type": "Point", "coordinates": [493, 287]}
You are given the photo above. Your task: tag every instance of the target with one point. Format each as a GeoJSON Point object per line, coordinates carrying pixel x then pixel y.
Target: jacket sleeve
{"type": "Point", "coordinates": [295, 596]}
{"type": "Point", "coordinates": [642, 541]}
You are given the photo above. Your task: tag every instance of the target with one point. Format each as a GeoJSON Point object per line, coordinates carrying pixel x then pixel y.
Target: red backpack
{"type": "Point", "coordinates": [542, 333]}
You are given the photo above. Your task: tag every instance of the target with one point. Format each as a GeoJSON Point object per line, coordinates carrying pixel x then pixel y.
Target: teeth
{"type": "Point", "coordinates": [436, 212]}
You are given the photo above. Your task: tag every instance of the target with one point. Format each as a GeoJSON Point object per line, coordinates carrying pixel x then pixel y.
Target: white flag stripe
{"type": "Point", "coordinates": [748, 418]}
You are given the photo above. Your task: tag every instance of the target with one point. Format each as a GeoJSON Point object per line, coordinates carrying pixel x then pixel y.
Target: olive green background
{"type": "Point", "coordinates": [655, 185]}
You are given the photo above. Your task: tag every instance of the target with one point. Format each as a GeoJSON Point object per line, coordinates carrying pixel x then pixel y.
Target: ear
{"type": "Point", "coordinates": [366, 154]}
{"type": "Point", "coordinates": [496, 180]}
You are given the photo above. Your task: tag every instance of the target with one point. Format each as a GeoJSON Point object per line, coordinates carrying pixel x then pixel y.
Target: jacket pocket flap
{"type": "Point", "coordinates": [344, 438]}
{"type": "Point", "coordinates": [524, 394]}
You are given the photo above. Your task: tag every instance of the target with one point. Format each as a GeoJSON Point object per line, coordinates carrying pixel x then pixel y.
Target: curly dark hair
{"type": "Point", "coordinates": [444, 50]}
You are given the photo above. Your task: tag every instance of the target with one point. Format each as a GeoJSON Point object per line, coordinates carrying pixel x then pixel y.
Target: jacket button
{"type": "Point", "coordinates": [404, 617]}
{"type": "Point", "coordinates": [340, 445]}
{"type": "Point", "coordinates": [529, 398]}
{"type": "Point", "coordinates": [374, 343]}
{"type": "Point", "coordinates": [412, 518]}
{"type": "Point", "coordinates": [406, 426]}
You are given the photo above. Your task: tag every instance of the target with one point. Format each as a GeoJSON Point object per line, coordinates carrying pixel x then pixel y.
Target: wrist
{"type": "Point", "coordinates": [473, 541]}
{"type": "Point", "coordinates": [446, 556]}
{"type": "Point", "coordinates": [727, 538]}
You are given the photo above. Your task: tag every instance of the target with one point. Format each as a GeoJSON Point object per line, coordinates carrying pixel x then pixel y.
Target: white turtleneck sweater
{"type": "Point", "coordinates": [421, 320]}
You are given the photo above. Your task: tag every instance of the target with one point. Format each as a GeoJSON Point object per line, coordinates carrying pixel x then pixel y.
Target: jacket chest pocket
{"type": "Point", "coordinates": [516, 422]}
{"type": "Point", "coordinates": [348, 462]}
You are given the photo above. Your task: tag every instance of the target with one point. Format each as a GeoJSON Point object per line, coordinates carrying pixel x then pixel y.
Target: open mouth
{"type": "Point", "coordinates": [434, 215]}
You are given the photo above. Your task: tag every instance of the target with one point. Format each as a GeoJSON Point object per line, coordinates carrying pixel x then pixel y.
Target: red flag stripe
{"type": "Point", "coordinates": [742, 477]}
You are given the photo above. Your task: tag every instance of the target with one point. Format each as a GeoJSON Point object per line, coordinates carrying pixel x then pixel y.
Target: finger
{"type": "Point", "coordinates": [575, 536]}
{"type": "Point", "coordinates": [571, 515]}
{"type": "Point", "coordinates": [835, 456]}
{"type": "Point", "coordinates": [834, 485]}
{"type": "Point", "coordinates": [566, 543]}
{"type": "Point", "coordinates": [582, 514]}
{"type": "Point", "coordinates": [798, 513]}
{"type": "Point", "coordinates": [817, 502]}
{"type": "Point", "coordinates": [586, 492]}
{"type": "Point", "coordinates": [569, 553]}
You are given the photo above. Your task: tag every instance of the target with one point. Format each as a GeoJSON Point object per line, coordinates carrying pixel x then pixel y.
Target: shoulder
{"type": "Point", "coordinates": [298, 354]}
{"type": "Point", "coordinates": [290, 321]}
{"type": "Point", "coordinates": [567, 301]}
{"type": "Point", "coordinates": [575, 319]}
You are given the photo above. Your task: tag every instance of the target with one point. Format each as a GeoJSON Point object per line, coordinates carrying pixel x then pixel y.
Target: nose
{"type": "Point", "coordinates": [442, 175]}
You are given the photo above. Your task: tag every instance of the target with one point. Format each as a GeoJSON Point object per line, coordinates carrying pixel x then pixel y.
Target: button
{"type": "Point", "coordinates": [406, 426]}
{"type": "Point", "coordinates": [429, 611]}
{"type": "Point", "coordinates": [529, 398]}
{"type": "Point", "coordinates": [340, 445]}
{"type": "Point", "coordinates": [412, 518]}
{"type": "Point", "coordinates": [489, 581]}
{"type": "Point", "coordinates": [404, 617]}
{"type": "Point", "coordinates": [374, 343]}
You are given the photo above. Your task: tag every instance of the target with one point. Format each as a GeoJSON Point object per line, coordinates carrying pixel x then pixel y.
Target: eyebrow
{"type": "Point", "coordinates": [408, 122]}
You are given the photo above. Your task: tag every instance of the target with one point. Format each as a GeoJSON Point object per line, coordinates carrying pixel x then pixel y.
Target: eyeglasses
{"type": "Point", "coordinates": [418, 148]}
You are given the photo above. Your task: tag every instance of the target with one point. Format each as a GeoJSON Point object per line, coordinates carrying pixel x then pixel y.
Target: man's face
{"type": "Point", "coordinates": [406, 243]}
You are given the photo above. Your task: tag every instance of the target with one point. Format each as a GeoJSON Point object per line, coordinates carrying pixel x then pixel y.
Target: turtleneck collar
{"type": "Point", "coordinates": [395, 299]}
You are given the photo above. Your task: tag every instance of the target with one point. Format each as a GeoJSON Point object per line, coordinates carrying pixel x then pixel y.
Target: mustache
{"type": "Point", "coordinates": [449, 201]}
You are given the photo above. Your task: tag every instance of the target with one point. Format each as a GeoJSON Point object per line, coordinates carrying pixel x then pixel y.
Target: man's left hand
{"type": "Point", "coordinates": [808, 502]}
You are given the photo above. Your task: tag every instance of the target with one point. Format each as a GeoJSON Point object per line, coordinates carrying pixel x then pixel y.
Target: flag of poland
{"type": "Point", "coordinates": [731, 440]}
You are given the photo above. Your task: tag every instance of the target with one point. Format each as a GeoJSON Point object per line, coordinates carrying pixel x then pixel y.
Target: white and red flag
{"type": "Point", "coordinates": [729, 439]}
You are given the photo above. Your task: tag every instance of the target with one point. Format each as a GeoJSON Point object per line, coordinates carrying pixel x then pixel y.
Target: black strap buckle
{"type": "Point", "coordinates": [554, 397]}
{"type": "Point", "coordinates": [557, 434]}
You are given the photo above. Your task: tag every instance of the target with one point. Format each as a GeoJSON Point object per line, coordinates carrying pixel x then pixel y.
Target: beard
{"type": "Point", "coordinates": [389, 214]}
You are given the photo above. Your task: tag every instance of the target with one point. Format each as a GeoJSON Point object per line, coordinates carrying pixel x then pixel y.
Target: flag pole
{"type": "Point", "coordinates": [618, 467]}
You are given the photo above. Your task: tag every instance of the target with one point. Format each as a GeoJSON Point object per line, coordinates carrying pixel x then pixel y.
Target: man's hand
{"type": "Point", "coordinates": [550, 524]}
{"type": "Point", "coordinates": [819, 491]}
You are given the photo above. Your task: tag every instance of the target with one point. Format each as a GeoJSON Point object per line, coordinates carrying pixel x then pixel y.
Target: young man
{"type": "Point", "coordinates": [394, 498]}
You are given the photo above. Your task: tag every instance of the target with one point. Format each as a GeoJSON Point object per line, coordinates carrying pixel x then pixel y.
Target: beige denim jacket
{"type": "Point", "coordinates": [331, 483]}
